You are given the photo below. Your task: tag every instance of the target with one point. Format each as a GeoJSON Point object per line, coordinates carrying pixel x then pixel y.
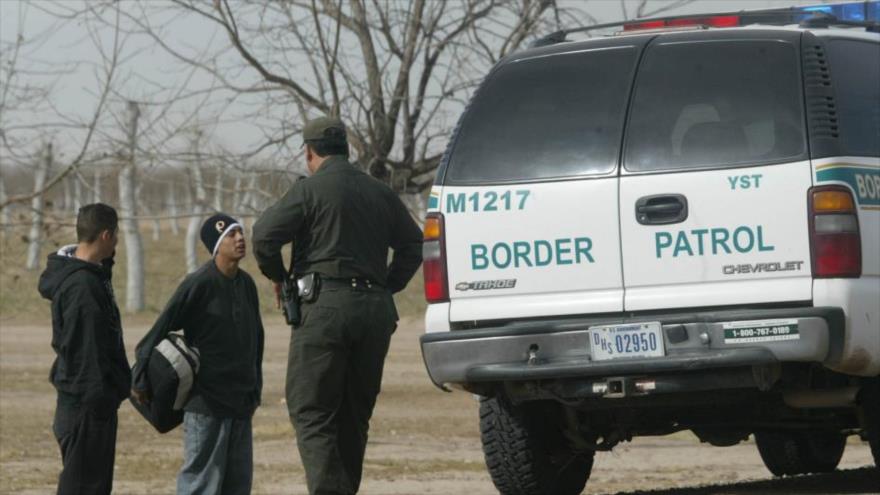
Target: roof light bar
{"type": "Point", "coordinates": [710, 21]}
{"type": "Point", "coordinates": [861, 13]}
{"type": "Point", "coordinates": [853, 11]}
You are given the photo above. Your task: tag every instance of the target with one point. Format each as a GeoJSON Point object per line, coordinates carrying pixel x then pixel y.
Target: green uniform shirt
{"type": "Point", "coordinates": [341, 222]}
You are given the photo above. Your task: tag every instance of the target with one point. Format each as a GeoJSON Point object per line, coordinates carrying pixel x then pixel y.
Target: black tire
{"type": "Point", "coordinates": [526, 453]}
{"type": "Point", "coordinates": [790, 453]}
{"type": "Point", "coordinates": [871, 406]}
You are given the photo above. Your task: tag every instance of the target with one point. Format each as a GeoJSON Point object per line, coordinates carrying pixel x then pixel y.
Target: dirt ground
{"type": "Point", "coordinates": [422, 441]}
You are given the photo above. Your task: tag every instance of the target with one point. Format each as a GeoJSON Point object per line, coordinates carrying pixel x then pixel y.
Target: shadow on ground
{"type": "Point", "coordinates": [849, 482]}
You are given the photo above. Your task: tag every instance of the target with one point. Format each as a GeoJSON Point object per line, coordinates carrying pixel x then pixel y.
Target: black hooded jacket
{"type": "Point", "coordinates": [220, 316]}
{"type": "Point", "coordinates": [91, 366]}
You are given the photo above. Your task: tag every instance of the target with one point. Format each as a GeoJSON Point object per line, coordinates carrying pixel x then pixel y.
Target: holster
{"type": "Point", "coordinates": [290, 302]}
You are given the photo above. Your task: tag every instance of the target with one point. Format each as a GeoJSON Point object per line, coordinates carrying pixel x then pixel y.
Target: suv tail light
{"type": "Point", "coordinates": [434, 259]}
{"type": "Point", "coordinates": [835, 242]}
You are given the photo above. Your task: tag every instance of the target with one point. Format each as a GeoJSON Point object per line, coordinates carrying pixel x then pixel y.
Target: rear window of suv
{"type": "Point", "coordinates": [855, 72]}
{"type": "Point", "coordinates": [546, 117]}
{"type": "Point", "coordinates": [716, 104]}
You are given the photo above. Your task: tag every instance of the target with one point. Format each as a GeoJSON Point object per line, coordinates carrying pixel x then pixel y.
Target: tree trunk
{"type": "Point", "coordinates": [218, 190]}
{"type": "Point", "coordinates": [172, 208]}
{"type": "Point", "coordinates": [96, 187]}
{"type": "Point", "coordinates": [198, 197]}
{"type": "Point", "coordinates": [236, 196]}
{"type": "Point", "coordinates": [157, 229]}
{"type": "Point", "coordinates": [157, 225]}
{"type": "Point", "coordinates": [5, 215]}
{"type": "Point", "coordinates": [248, 198]}
{"type": "Point", "coordinates": [134, 249]}
{"type": "Point", "coordinates": [35, 237]}
{"type": "Point", "coordinates": [67, 202]}
{"type": "Point", "coordinates": [77, 193]}
{"type": "Point", "coordinates": [192, 239]}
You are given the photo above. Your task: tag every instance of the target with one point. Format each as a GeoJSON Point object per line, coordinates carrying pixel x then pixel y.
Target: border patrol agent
{"type": "Point", "coordinates": [342, 223]}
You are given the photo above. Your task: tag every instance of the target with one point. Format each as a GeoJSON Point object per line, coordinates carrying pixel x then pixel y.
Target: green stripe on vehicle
{"type": "Point", "coordinates": [864, 181]}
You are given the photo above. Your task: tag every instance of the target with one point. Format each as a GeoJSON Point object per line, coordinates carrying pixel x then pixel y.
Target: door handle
{"type": "Point", "coordinates": [661, 209]}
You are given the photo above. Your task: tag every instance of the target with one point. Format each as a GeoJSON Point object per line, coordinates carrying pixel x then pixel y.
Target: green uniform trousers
{"type": "Point", "coordinates": [334, 373]}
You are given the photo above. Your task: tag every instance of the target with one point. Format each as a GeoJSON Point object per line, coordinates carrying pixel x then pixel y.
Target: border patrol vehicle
{"type": "Point", "coordinates": [675, 227]}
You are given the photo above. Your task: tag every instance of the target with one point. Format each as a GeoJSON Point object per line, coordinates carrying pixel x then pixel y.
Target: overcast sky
{"type": "Point", "coordinates": [147, 65]}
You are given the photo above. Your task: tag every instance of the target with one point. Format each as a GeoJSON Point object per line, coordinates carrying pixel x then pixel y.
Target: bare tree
{"type": "Point", "coordinates": [218, 189]}
{"type": "Point", "coordinates": [35, 237]}
{"type": "Point", "coordinates": [5, 214]}
{"type": "Point", "coordinates": [398, 73]}
{"type": "Point", "coordinates": [134, 248]}
{"type": "Point", "coordinates": [236, 193]}
{"type": "Point", "coordinates": [172, 208]}
{"type": "Point", "coordinates": [67, 198]}
{"type": "Point", "coordinates": [96, 187]}
{"type": "Point", "coordinates": [642, 9]}
{"type": "Point", "coordinates": [77, 192]}
{"type": "Point", "coordinates": [18, 96]}
{"type": "Point", "coordinates": [144, 206]}
{"type": "Point", "coordinates": [197, 204]}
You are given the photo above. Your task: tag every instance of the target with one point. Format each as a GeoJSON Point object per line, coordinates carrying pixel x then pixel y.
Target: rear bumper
{"type": "Point", "coordinates": [544, 350]}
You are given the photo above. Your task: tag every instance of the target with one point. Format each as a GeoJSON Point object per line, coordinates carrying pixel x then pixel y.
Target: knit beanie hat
{"type": "Point", "coordinates": [215, 229]}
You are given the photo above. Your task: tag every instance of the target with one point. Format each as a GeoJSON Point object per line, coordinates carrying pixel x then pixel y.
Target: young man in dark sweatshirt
{"type": "Point", "coordinates": [219, 312]}
{"type": "Point", "coordinates": [90, 372]}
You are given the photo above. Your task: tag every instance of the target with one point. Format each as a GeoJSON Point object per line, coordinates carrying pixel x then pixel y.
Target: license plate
{"type": "Point", "coordinates": [622, 341]}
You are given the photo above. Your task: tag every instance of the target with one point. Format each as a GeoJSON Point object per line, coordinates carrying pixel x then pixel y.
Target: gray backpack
{"type": "Point", "coordinates": [171, 373]}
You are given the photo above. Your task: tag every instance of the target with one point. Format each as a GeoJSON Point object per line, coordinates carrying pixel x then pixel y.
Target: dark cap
{"type": "Point", "coordinates": [215, 229]}
{"type": "Point", "coordinates": [329, 129]}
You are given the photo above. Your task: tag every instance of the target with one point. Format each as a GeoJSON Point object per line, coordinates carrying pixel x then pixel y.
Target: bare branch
{"type": "Point", "coordinates": [73, 166]}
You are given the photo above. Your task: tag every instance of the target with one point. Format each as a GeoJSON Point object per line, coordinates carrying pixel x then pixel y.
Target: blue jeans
{"type": "Point", "coordinates": [218, 456]}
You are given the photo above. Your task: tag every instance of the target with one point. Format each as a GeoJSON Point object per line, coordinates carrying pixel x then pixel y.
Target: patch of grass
{"type": "Point", "coordinates": [164, 269]}
{"type": "Point", "coordinates": [275, 430]}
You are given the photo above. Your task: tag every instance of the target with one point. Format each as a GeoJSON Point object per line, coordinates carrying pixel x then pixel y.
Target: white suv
{"type": "Point", "coordinates": [660, 231]}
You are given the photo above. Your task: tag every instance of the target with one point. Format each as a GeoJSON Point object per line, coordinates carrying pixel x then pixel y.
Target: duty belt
{"type": "Point", "coordinates": [349, 283]}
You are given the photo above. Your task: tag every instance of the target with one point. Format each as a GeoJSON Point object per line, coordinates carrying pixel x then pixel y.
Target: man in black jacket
{"type": "Point", "coordinates": [219, 311]}
{"type": "Point", "coordinates": [90, 372]}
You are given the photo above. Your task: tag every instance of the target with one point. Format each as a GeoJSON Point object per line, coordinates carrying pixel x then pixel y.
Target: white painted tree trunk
{"type": "Point", "coordinates": [35, 237]}
{"type": "Point", "coordinates": [248, 193]}
{"type": "Point", "coordinates": [134, 249]}
{"type": "Point", "coordinates": [236, 196]}
{"type": "Point", "coordinates": [67, 203]}
{"type": "Point", "coordinates": [157, 229]}
{"type": "Point", "coordinates": [192, 239]}
{"type": "Point", "coordinates": [5, 215]}
{"type": "Point", "coordinates": [77, 193]}
{"type": "Point", "coordinates": [96, 187]}
{"type": "Point", "coordinates": [248, 201]}
{"type": "Point", "coordinates": [172, 208]}
{"type": "Point", "coordinates": [195, 221]}
{"type": "Point", "coordinates": [218, 190]}
{"type": "Point", "coordinates": [144, 206]}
